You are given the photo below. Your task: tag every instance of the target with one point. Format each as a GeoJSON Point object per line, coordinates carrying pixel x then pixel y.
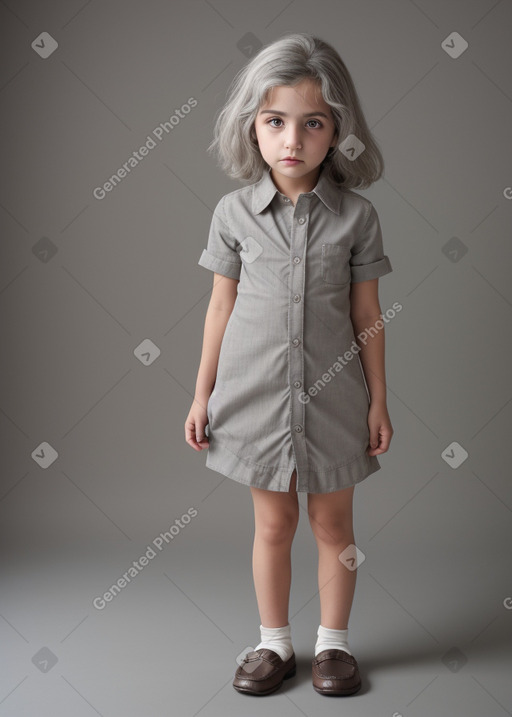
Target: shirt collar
{"type": "Point", "coordinates": [264, 190]}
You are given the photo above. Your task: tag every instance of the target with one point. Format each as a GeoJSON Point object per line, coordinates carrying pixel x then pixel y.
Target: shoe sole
{"type": "Point", "coordinates": [347, 691]}
{"type": "Point", "coordinates": [244, 691]}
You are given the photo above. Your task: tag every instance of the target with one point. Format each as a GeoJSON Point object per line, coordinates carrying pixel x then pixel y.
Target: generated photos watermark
{"type": "Point", "coordinates": [353, 350]}
{"type": "Point", "coordinates": [159, 133]}
{"type": "Point", "coordinates": [100, 602]}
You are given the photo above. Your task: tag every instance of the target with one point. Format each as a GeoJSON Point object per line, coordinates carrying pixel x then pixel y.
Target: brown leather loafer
{"type": "Point", "coordinates": [262, 672]}
{"type": "Point", "coordinates": [335, 672]}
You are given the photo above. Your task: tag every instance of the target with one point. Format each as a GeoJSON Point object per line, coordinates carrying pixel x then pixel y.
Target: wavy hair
{"type": "Point", "coordinates": [287, 61]}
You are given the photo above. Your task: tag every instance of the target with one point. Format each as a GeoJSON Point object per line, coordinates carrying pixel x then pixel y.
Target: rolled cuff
{"type": "Point", "coordinates": [227, 268]}
{"type": "Point", "coordinates": [364, 272]}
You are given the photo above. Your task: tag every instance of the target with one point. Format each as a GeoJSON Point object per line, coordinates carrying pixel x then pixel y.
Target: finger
{"type": "Point", "coordinates": [195, 445]}
{"type": "Point", "coordinates": [190, 435]}
{"type": "Point", "coordinates": [382, 447]}
{"type": "Point", "coordinates": [374, 439]}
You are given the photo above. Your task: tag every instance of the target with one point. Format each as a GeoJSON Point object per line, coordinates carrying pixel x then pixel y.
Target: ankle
{"type": "Point", "coordinates": [330, 639]}
{"type": "Point", "coordinates": [277, 639]}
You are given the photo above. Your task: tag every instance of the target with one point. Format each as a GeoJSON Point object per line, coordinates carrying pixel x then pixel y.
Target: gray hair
{"type": "Point", "coordinates": [287, 61]}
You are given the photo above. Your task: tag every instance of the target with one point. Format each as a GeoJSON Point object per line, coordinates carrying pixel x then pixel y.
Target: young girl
{"type": "Point", "coordinates": [293, 338]}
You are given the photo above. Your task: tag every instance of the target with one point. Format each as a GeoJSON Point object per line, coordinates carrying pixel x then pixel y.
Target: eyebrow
{"type": "Point", "coordinates": [284, 114]}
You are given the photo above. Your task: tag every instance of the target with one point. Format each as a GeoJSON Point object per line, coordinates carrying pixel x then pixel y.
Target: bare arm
{"type": "Point", "coordinates": [364, 312]}
{"type": "Point", "coordinates": [221, 305]}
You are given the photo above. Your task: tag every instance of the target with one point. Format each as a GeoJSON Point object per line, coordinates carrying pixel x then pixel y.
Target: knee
{"type": "Point", "coordinates": [277, 529]}
{"type": "Point", "coordinates": [331, 530]}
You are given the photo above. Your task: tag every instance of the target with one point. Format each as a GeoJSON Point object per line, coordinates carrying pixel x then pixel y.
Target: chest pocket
{"type": "Point", "coordinates": [335, 264]}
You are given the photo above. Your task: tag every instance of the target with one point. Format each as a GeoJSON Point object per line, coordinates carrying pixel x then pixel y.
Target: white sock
{"type": "Point", "coordinates": [329, 639]}
{"type": "Point", "coordinates": [278, 639]}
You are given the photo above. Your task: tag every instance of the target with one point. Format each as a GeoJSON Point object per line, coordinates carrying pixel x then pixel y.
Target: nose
{"type": "Point", "coordinates": [293, 136]}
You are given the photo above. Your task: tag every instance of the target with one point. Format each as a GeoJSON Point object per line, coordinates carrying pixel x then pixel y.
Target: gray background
{"type": "Point", "coordinates": [84, 281]}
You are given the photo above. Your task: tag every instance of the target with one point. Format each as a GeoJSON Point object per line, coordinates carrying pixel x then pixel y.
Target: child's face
{"type": "Point", "coordinates": [285, 131]}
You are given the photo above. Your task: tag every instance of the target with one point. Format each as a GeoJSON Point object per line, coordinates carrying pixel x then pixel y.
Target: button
{"type": "Point", "coordinates": [298, 428]}
{"type": "Point", "coordinates": [301, 220]}
{"type": "Point", "coordinates": [296, 259]}
{"type": "Point", "coordinates": [285, 199]}
{"type": "Point", "coordinates": [297, 384]}
{"type": "Point", "coordinates": [296, 342]}
{"type": "Point", "coordinates": [296, 298]}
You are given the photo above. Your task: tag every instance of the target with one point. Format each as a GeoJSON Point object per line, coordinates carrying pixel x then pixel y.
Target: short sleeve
{"type": "Point", "coordinates": [368, 260]}
{"type": "Point", "coordinates": [220, 254]}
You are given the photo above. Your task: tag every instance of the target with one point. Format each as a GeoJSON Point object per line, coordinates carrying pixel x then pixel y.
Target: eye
{"type": "Point", "coordinates": [278, 119]}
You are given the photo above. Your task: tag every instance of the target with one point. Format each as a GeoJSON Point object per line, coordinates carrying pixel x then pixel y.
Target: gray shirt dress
{"type": "Point", "coordinates": [290, 389]}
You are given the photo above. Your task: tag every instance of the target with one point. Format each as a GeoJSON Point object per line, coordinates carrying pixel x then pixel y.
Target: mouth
{"type": "Point", "coordinates": [291, 159]}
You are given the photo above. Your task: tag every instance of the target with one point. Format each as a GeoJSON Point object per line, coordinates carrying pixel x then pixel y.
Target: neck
{"type": "Point", "coordinates": [294, 187]}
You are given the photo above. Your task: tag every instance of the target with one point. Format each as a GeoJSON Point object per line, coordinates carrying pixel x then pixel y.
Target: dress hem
{"type": "Point", "coordinates": [311, 481]}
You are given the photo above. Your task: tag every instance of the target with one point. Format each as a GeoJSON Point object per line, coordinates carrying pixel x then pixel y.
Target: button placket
{"type": "Point", "coordinates": [298, 241]}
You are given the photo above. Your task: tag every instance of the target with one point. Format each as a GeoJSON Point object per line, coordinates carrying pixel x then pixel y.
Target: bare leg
{"type": "Point", "coordinates": [330, 515]}
{"type": "Point", "coordinates": [276, 515]}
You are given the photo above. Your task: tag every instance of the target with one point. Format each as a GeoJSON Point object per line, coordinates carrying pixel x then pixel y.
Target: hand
{"type": "Point", "coordinates": [380, 427]}
{"type": "Point", "coordinates": [195, 424]}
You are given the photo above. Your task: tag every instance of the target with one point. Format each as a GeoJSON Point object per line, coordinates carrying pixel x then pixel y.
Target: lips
{"type": "Point", "coordinates": [294, 159]}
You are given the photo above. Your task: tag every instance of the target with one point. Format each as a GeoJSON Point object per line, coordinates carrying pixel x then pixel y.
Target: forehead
{"type": "Point", "coordinates": [307, 94]}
